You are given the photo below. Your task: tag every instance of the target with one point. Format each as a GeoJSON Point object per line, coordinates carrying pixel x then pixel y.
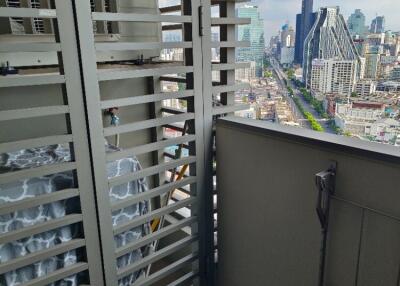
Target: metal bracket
{"type": "Point", "coordinates": [325, 182]}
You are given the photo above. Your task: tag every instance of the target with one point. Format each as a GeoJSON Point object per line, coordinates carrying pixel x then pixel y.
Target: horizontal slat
{"type": "Point", "coordinates": [149, 147]}
{"type": "Point", "coordinates": [174, 127]}
{"type": "Point", "coordinates": [150, 171]}
{"type": "Point", "coordinates": [229, 108]}
{"type": "Point", "coordinates": [30, 80]}
{"type": "Point", "coordinates": [40, 228]}
{"type": "Point", "coordinates": [185, 190]}
{"type": "Point", "coordinates": [141, 99]}
{"type": "Point", "coordinates": [172, 110]}
{"type": "Point", "coordinates": [11, 207]}
{"type": "Point", "coordinates": [131, 127]}
{"type": "Point", "coordinates": [36, 172]}
{"type": "Point", "coordinates": [185, 278]}
{"type": "Point", "coordinates": [215, 2]}
{"type": "Point", "coordinates": [146, 240]}
{"type": "Point", "coordinates": [33, 112]}
{"type": "Point", "coordinates": [41, 255]}
{"type": "Point", "coordinates": [152, 193]}
{"type": "Point", "coordinates": [29, 47]}
{"type": "Point", "coordinates": [230, 21]}
{"type": "Point", "coordinates": [132, 17]}
{"type": "Point", "coordinates": [223, 67]}
{"type": "Point", "coordinates": [173, 27]}
{"type": "Point", "coordinates": [104, 75]}
{"type": "Point", "coordinates": [141, 46]}
{"type": "Point", "coordinates": [171, 219]}
{"type": "Point", "coordinates": [230, 44]}
{"type": "Point", "coordinates": [152, 215]}
{"type": "Point", "coordinates": [171, 268]}
{"type": "Point", "coordinates": [170, 9]}
{"type": "Point", "coordinates": [27, 12]}
{"type": "Point", "coordinates": [58, 275]}
{"type": "Point", "coordinates": [230, 88]}
{"type": "Point", "coordinates": [179, 79]}
{"type": "Point", "coordinates": [35, 142]}
{"type": "Point", "coordinates": [166, 251]}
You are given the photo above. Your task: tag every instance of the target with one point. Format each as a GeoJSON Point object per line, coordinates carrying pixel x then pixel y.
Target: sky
{"type": "Point", "coordinates": [277, 12]}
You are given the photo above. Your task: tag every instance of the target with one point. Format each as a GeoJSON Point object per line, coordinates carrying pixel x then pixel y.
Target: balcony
{"type": "Point", "coordinates": [269, 231]}
{"type": "Point", "coordinates": [107, 147]}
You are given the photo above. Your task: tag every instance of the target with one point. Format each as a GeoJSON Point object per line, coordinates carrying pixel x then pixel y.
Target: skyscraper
{"type": "Point", "coordinates": [378, 25]}
{"type": "Point", "coordinates": [287, 45]}
{"type": "Point", "coordinates": [356, 23]}
{"type": "Point", "coordinates": [254, 33]}
{"type": "Point", "coordinates": [304, 22]}
{"type": "Point", "coordinates": [329, 38]}
{"type": "Point", "coordinates": [287, 36]}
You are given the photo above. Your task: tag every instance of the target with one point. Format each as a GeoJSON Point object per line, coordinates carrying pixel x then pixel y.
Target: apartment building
{"type": "Point", "coordinates": [333, 76]}
{"type": "Point", "coordinates": [365, 87]}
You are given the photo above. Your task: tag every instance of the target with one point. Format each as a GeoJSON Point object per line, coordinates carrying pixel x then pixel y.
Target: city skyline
{"type": "Point", "coordinates": [277, 12]}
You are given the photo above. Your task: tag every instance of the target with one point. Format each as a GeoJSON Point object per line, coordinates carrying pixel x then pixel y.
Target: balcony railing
{"type": "Point", "coordinates": [269, 230]}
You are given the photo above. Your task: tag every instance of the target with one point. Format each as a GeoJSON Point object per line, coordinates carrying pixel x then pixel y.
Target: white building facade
{"type": "Point", "coordinates": [333, 76]}
{"type": "Point", "coordinates": [357, 119]}
{"type": "Point", "coordinates": [365, 87]}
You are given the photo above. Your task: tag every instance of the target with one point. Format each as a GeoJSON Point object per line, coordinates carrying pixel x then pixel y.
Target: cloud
{"type": "Point", "coordinates": [277, 12]}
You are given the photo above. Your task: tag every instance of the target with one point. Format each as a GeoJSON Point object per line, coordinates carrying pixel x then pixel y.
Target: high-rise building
{"type": "Point", "coordinates": [287, 36]}
{"type": "Point", "coordinates": [376, 39]}
{"type": "Point", "coordinates": [304, 22]}
{"type": "Point", "coordinates": [254, 33]}
{"type": "Point", "coordinates": [396, 47]}
{"type": "Point", "coordinates": [332, 76]}
{"type": "Point", "coordinates": [329, 38]}
{"type": "Point", "coordinates": [356, 24]}
{"type": "Point", "coordinates": [287, 55]}
{"type": "Point", "coordinates": [395, 74]}
{"type": "Point", "coordinates": [390, 38]}
{"type": "Point", "coordinates": [372, 65]}
{"type": "Point", "coordinates": [274, 45]}
{"type": "Point", "coordinates": [246, 74]}
{"type": "Point", "coordinates": [287, 49]}
{"type": "Point", "coordinates": [378, 25]}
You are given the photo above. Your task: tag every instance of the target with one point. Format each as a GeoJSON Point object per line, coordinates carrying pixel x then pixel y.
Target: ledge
{"type": "Point", "coordinates": [370, 150]}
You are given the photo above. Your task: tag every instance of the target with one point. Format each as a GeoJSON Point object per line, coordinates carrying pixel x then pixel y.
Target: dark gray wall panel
{"type": "Point", "coordinates": [269, 233]}
{"type": "Point", "coordinates": [380, 249]}
{"type": "Point", "coordinates": [343, 244]}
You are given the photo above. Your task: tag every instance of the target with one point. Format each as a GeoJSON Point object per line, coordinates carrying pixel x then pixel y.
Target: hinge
{"type": "Point", "coordinates": [200, 10]}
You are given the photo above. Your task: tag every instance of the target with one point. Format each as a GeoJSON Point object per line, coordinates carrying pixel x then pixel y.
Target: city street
{"type": "Point", "coordinates": [280, 79]}
{"type": "Point", "coordinates": [297, 93]}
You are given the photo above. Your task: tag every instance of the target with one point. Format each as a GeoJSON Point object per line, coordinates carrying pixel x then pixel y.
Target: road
{"type": "Point", "coordinates": [281, 76]}
{"type": "Point", "coordinates": [307, 107]}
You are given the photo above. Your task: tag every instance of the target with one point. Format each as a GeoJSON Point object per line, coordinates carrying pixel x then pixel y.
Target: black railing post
{"type": "Point", "coordinates": [325, 182]}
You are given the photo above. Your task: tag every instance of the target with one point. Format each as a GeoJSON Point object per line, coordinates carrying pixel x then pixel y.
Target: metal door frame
{"type": "Point", "coordinates": [93, 102]}
{"type": "Point", "coordinates": [63, 16]}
